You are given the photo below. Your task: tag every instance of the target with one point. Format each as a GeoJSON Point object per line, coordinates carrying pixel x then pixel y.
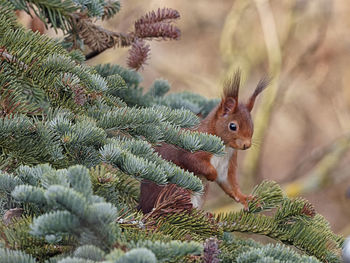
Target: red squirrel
{"type": "Point", "coordinates": [232, 122]}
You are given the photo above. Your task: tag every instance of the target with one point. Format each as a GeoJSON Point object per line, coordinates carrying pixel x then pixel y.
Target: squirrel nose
{"type": "Point", "coordinates": [246, 145]}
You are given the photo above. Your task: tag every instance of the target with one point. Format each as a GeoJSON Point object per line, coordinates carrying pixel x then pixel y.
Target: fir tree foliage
{"type": "Point", "coordinates": [68, 138]}
{"type": "Point", "coordinates": [68, 195]}
{"type": "Point", "coordinates": [58, 14]}
{"type": "Point", "coordinates": [157, 93]}
{"type": "Point", "coordinates": [271, 253]}
{"type": "Point", "coordinates": [75, 18]}
{"type": "Point", "coordinates": [75, 141]}
{"type": "Point", "coordinates": [295, 222]}
{"type": "Point", "coordinates": [115, 186]}
{"type": "Point", "coordinates": [89, 252]}
{"type": "Point", "coordinates": [141, 255]}
{"type": "Point", "coordinates": [9, 256]}
{"type": "Point", "coordinates": [168, 251]}
{"type": "Point", "coordinates": [17, 236]}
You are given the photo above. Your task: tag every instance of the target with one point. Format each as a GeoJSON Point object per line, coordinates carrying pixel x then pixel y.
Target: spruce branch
{"type": "Point", "coordinates": [71, 207]}
{"type": "Point", "coordinates": [80, 27]}
{"type": "Point", "coordinates": [115, 186]}
{"type": "Point", "coordinates": [131, 77]}
{"type": "Point", "coordinates": [57, 13]}
{"type": "Point", "coordinates": [195, 225]}
{"type": "Point", "coordinates": [75, 260]}
{"type": "Point", "coordinates": [16, 236]}
{"type": "Point", "coordinates": [9, 256]}
{"type": "Point", "coordinates": [89, 252]}
{"type": "Point", "coordinates": [169, 251]}
{"type": "Point", "coordinates": [132, 164]}
{"type": "Point", "coordinates": [137, 255]}
{"type": "Point", "coordinates": [294, 222]}
{"type": "Point", "coordinates": [11, 100]}
{"type": "Point", "coordinates": [154, 25]}
{"type": "Point", "coordinates": [39, 141]}
{"type": "Point", "coordinates": [7, 17]}
{"type": "Point", "coordinates": [173, 173]}
{"type": "Point", "coordinates": [274, 253]}
{"type": "Point", "coordinates": [268, 195]}
{"type": "Point", "coordinates": [111, 7]}
{"type": "Point", "coordinates": [159, 88]}
{"type": "Point", "coordinates": [11, 59]}
{"type": "Point", "coordinates": [44, 67]}
{"type": "Point", "coordinates": [98, 38]}
{"type": "Point", "coordinates": [28, 193]}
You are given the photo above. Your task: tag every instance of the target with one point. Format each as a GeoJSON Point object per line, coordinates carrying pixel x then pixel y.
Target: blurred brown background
{"type": "Point", "coordinates": [302, 122]}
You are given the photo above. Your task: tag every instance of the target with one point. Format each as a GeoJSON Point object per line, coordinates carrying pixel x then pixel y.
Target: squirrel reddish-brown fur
{"type": "Point", "coordinates": [34, 22]}
{"type": "Point", "coordinates": [232, 122]}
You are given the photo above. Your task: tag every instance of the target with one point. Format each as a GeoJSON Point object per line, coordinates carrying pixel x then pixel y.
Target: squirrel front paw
{"type": "Point", "coordinates": [244, 200]}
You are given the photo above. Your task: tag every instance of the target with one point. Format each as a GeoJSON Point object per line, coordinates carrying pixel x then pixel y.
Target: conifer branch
{"type": "Point", "coordinates": [98, 38]}
{"type": "Point", "coordinates": [111, 7]}
{"type": "Point", "coordinates": [15, 256]}
{"type": "Point", "coordinates": [154, 25]}
{"type": "Point", "coordinates": [276, 253]}
{"type": "Point", "coordinates": [295, 222]}
{"type": "Point", "coordinates": [170, 251]}
{"type": "Point", "coordinates": [11, 59]}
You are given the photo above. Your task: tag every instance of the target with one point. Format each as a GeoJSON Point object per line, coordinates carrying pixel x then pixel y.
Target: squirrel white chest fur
{"type": "Point", "coordinates": [221, 164]}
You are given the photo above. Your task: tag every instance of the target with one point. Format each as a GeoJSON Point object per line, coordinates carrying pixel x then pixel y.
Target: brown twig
{"type": "Point", "coordinates": [4, 55]}
{"type": "Point", "coordinates": [154, 25]}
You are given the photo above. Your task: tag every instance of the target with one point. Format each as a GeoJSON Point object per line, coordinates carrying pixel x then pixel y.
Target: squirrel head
{"type": "Point", "coordinates": [233, 119]}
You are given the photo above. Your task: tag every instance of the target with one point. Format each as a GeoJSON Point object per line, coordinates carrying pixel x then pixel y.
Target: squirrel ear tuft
{"type": "Point", "coordinates": [230, 97]}
{"type": "Point", "coordinates": [263, 83]}
{"type": "Point", "coordinates": [228, 105]}
{"type": "Point", "coordinates": [231, 86]}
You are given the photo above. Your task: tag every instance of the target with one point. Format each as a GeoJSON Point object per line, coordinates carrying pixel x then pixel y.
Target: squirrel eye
{"type": "Point", "coordinates": [233, 126]}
